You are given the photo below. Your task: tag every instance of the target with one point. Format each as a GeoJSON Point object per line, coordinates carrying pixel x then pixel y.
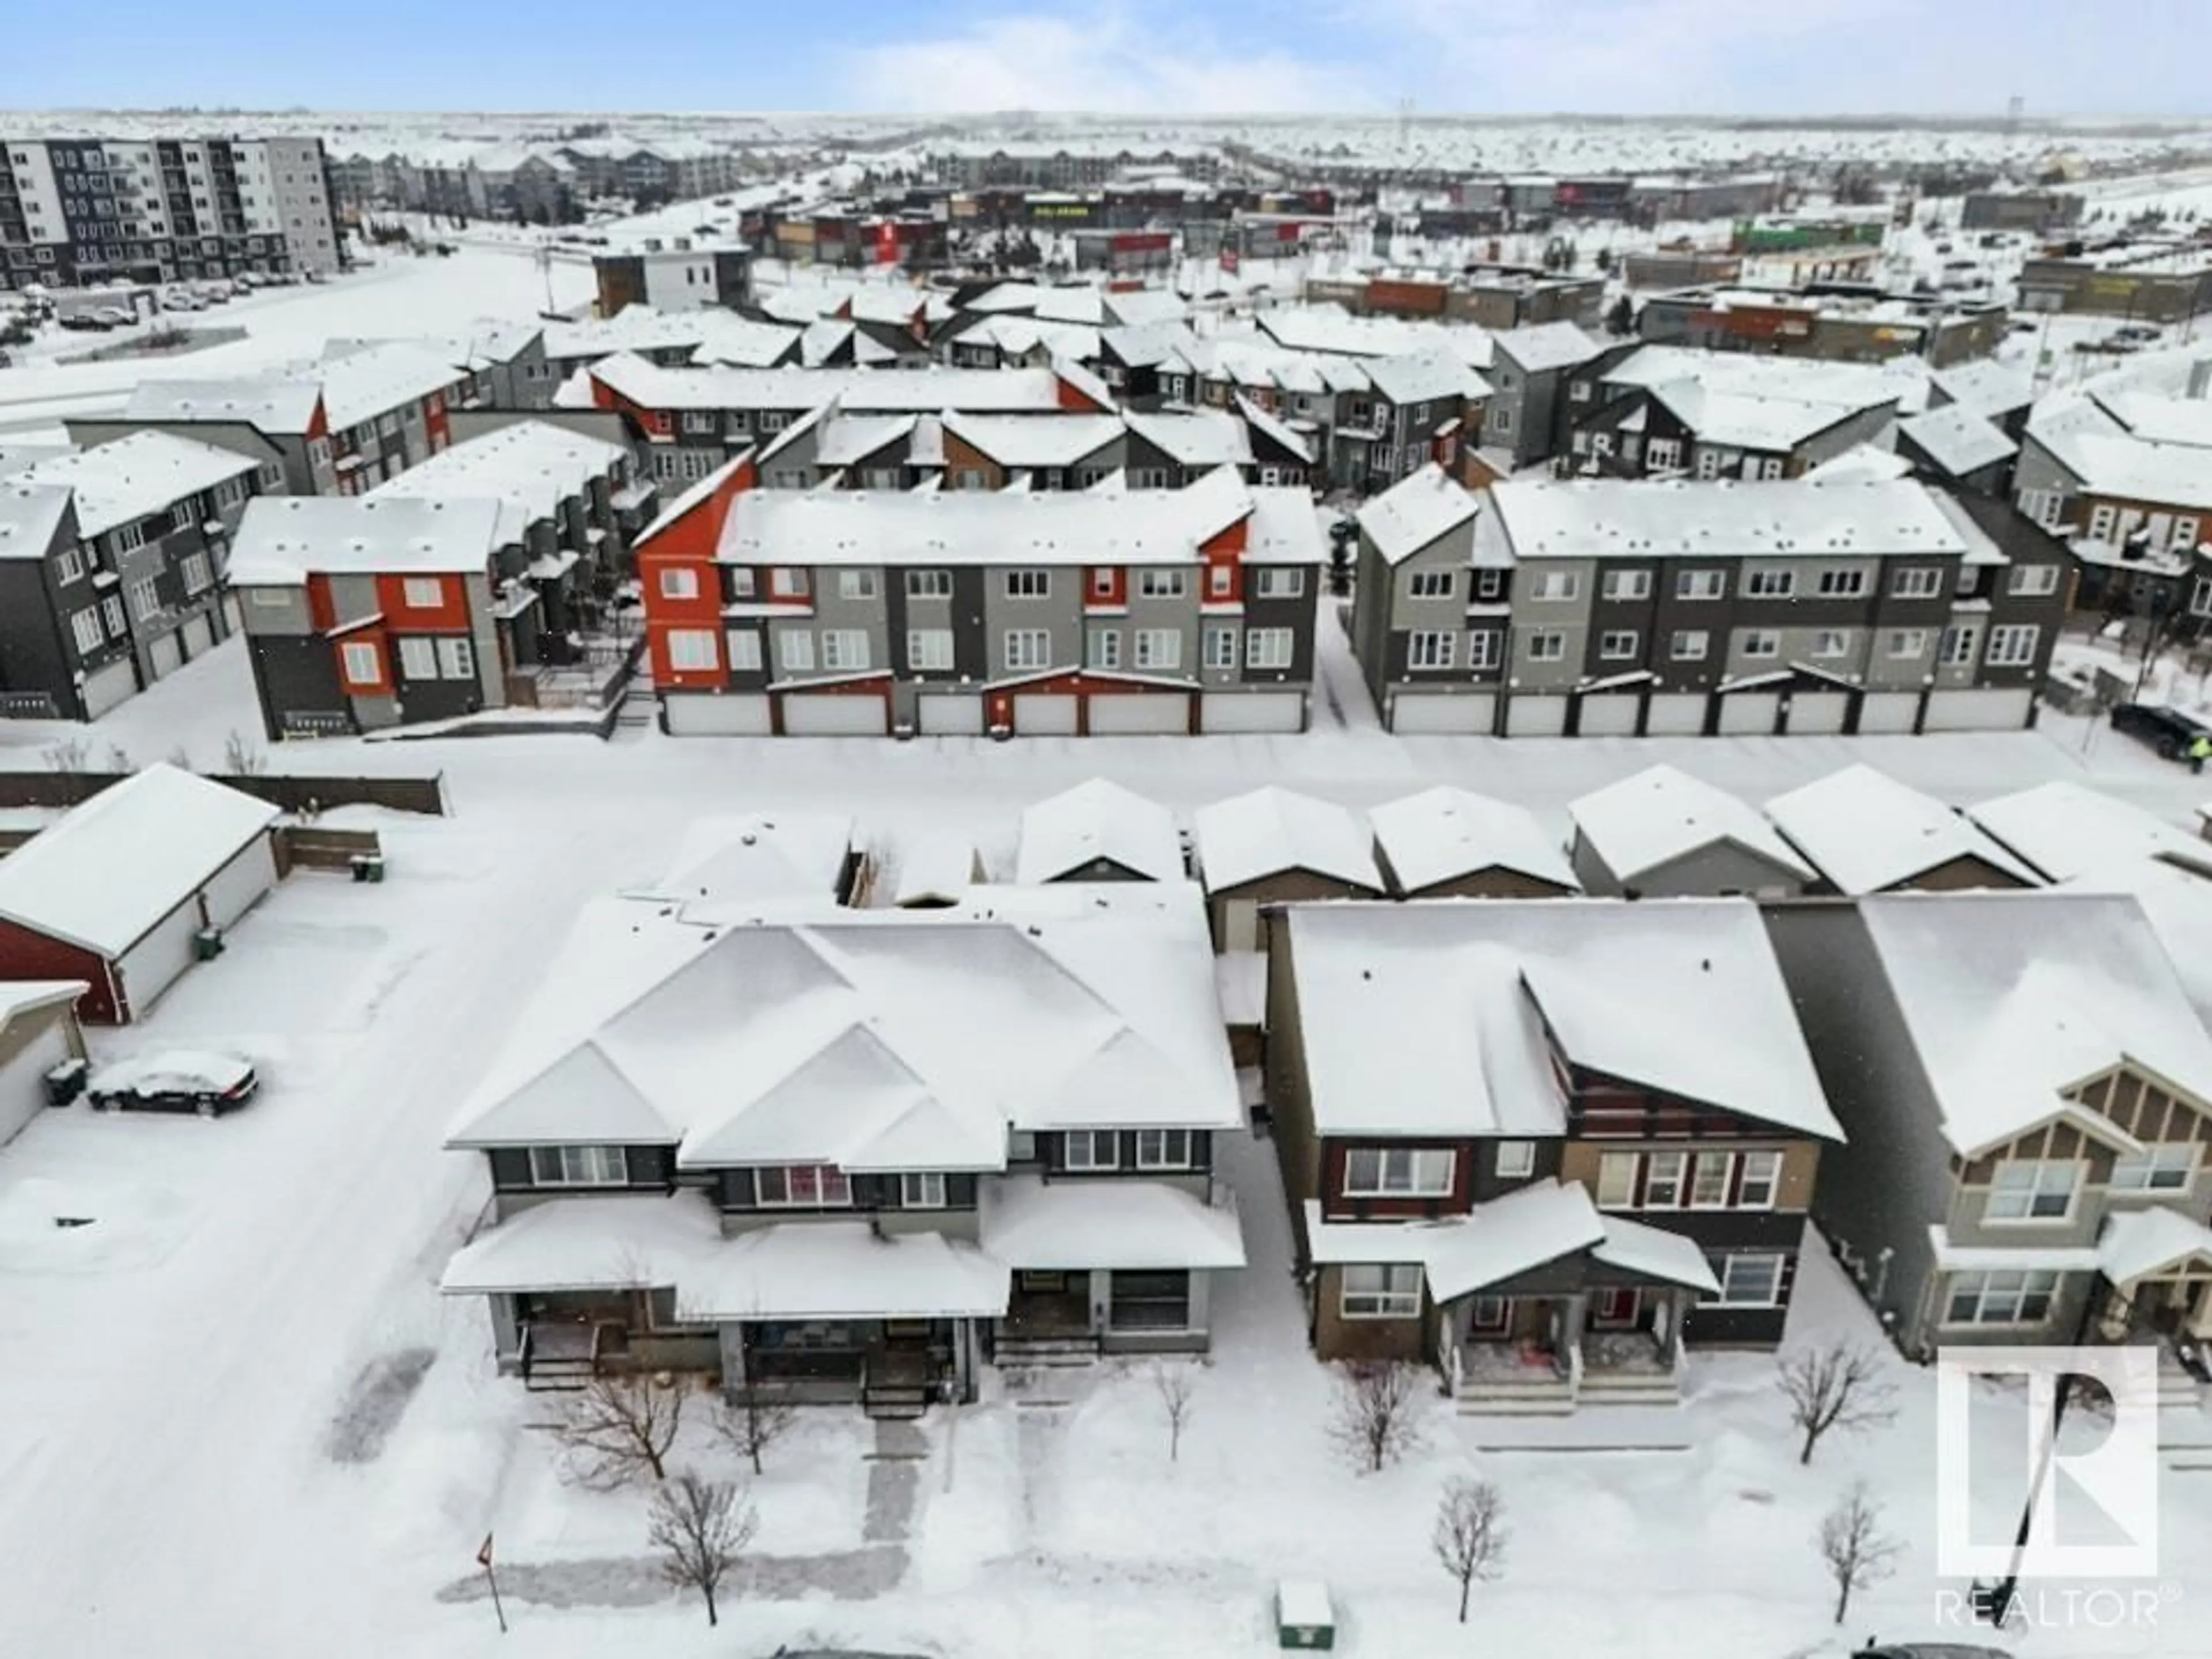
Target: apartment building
{"type": "Point", "coordinates": [1831, 323]}
{"type": "Point", "coordinates": [1064, 167]}
{"type": "Point", "coordinates": [112, 565]}
{"type": "Point", "coordinates": [962, 612]}
{"type": "Point", "coordinates": [673, 278]}
{"type": "Point", "coordinates": [78, 212]}
{"type": "Point", "coordinates": [1674, 608]}
{"type": "Point", "coordinates": [2165, 280]}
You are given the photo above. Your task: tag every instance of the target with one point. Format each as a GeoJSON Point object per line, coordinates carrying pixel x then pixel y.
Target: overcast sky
{"type": "Point", "coordinates": [1658, 56]}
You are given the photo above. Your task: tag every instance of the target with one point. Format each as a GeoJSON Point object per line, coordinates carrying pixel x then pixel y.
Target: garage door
{"type": "Point", "coordinates": [164, 655]}
{"type": "Point", "coordinates": [1535, 717]}
{"type": "Point", "coordinates": [1128, 713]}
{"type": "Point", "coordinates": [1749, 711]}
{"type": "Point", "coordinates": [22, 1081]}
{"type": "Point", "coordinates": [1982, 710]}
{"type": "Point", "coordinates": [234, 888]}
{"type": "Point", "coordinates": [198, 635]}
{"type": "Point", "coordinates": [1410, 712]}
{"type": "Point", "coordinates": [1888, 712]}
{"type": "Point", "coordinates": [1675, 715]}
{"type": "Point", "coordinates": [1819, 711]}
{"type": "Point", "coordinates": [1037, 714]}
{"type": "Point", "coordinates": [1609, 716]}
{"type": "Point", "coordinates": [949, 714]}
{"type": "Point", "coordinates": [106, 686]}
{"type": "Point", "coordinates": [742, 714]}
{"type": "Point", "coordinates": [152, 965]}
{"type": "Point", "coordinates": [844, 714]}
{"type": "Point", "coordinates": [1252, 711]}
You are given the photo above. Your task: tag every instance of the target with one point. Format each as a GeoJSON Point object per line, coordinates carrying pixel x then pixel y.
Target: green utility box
{"type": "Point", "coordinates": [1304, 1618]}
{"type": "Point", "coordinates": [207, 944]}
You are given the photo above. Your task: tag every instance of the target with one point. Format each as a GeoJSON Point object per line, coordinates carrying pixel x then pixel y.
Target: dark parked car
{"type": "Point", "coordinates": [1931, 1650]}
{"type": "Point", "coordinates": [174, 1080]}
{"type": "Point", "coordinates": [2166, 730]}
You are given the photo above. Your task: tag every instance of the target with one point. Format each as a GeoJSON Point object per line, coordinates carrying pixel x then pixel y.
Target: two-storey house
{"type": "Point", "coordinates": [1534, 389]}
{"type": "Point", "coordinates": [1041, 451]}
{"type": "Point", "coordinates": [1540, 1145]}
{"type": "Point", "coordinates": [1864, 832]}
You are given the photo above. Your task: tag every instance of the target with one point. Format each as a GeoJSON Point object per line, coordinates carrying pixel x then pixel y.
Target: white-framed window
{"type": "Point", "coordinates": [1546, 644]}
{"type": "Point", "coordinates": [1967, 582]}
{"type": "Point", "coordinates": [1916, 582]}
{"type": "Point", "coordinates": [794, 651]}
{"type": "Point", "coordinates": [1905, 642]}
{"type": "Point", "coordinates": [1163, 584]}
{"type": "Point", "coordinates": [1483, 648]}
{"type": "Point", "coordinates": [929, 584]}
{"type": "Point", "coordinates": [1847, 584]}
{"type": "Point", "coordinates": [418, 658]}
{"type": "Point", "coordinates": [2185, 538]}
{"type": "Point", "coordinates": [1164, 1149]}
{"type": "Point", "coordinates": [676, 582]}
{"type": "Point", "coordinates": [1431, 584]}
{"type": "Point", "coordinates": [1627, 585]}
{"type": "Point", "coordinates": [1662, 454]}
{"type": "Point", "coordinates": [1279, 582]}
{"type": "Point", "coordinates": [1090, 1148]}
{"type": "Point", "coordinates": [1105, 648]}
{"type": "Point", "coordinates": [1957, 649]}
{"type": "Point", "coordinates": [844, 650]}
{"type": "Point", "coordinates": [84, 626]}
{"type": "Point", "coordinates": [1430, 647]}
{"type": "Point", "coordinates": [1029, 584]}
{"type": "Point", "coordinates": [801, 1185]}
{"type": "Point", "coordinates": [1516, 1157]}
{"type": "Point", "coordinates": [129, 537]}
{"type": "Point", "coordinates": [1618, 645]}
{"type": "Point", "coordinates": [361, 663]}
{"type": "Point", "coordinates": [1758, 1180]}
{"type": "Point", "coordinates": [144, 599]}
{"type": "Point", "coordinates": [1221, 579]}
{"type": "Point", "coordinates": [1832, 643]}
{"type": "Point", "coordinates": [691, 648]}
{"type": "Point", "coordinates": [2101, 519]}
{"type": "Point", "coordinates": [429, 593]}
{"type": "Point", "coordinates": [744, 645]}
{"type": "Point", "coordinates": [1709, 463]}
{"type": "Point", "coordinates": [1268, 648]}
{"type": "Point", "coordinates": [693, 465]}
{"type": "Point", "coordinates": [1220, 647]}
{"type": "Point", "coordinates": [2034, 1189]}
{"type": "Point", "coordinates": [1029, 648]}
{"type": "Point", "coordinates": [1159, 648]}
{"type": "Point", "coordinates": [1397, 1172]}
{"type": "Point", "coordinates": [1489, 585]}
{"type": "Point", "coordinates": [1769, 583]}
{"type": "Point", "coordinates": [1689, 645]}
{"type": "Point", "coordinates": [1700, 584]}
{"type": "Point", "coordinates": [856, 584]}
{"type": "Point", "coordinates": [1999, 1298]}
{"type": "Point", "coordinates": [68, 563]}
{"type": "Point", "coordinates": [193, 571]}
{"type": "Point", "coordinates": [579, 1166]}
{"type": "Point", "coordinates": [788, 582]}
{"type": "Point", "coordinates": [456, 658]}
{"type": "Point", "coordinates": [1556, 584]}
{"type": "Point", "coordinates": [1664, 1180]}
{"type": "Point", "coordinates": [2167, 1167]}
{"type": "Point", "coordinates": [929, 649]}
{"type": "Point", "coordinates": [1761, 643]}
{"type": "Point", "coordinates": [1381, 1290]}
{"type": "Point", "coordinates": [1710, 1174]}
{"type": "Point", "coordinates": [2012, 645]}
{"type": "Point", "coordinates": [1750, 1280]}
{"type": "Point", "coordinates": [921, 1191]}
{"type": "Point", "coordinates": [2033, 581]}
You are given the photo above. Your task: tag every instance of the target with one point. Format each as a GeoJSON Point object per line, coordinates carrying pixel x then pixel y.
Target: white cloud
{"type": "Point", "coordinates": [1110, 62]}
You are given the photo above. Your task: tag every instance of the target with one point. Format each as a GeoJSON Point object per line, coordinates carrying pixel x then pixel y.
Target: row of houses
{"type": "Point", "coordinates": [543, 184]}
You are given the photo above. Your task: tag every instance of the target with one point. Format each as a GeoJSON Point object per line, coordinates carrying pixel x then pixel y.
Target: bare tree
{"type": "Point", "coordinates": [69, 755]}
{"type": "Point", "coordinates": [700, 1528]}
{"type": "Point", "coordinates": [1857, 1551]}
{"type": "Point", "coordinates": [1373, 1420]}
{"type": "Point", "coordinates": [242, 757]}
{"type": "Point", "coordinates": [1174, 1384]}
{"type": "Point", "coordinates": [119, 758]}
{"type": "Point", "coordinates": [1839, 1386]}
{"type": "Point", "coordinates": [751, 1421]}
{"type": "Point", "coordinates": [1470, 1534]}
{"type": "Point", "coordinates": [620, 1429]}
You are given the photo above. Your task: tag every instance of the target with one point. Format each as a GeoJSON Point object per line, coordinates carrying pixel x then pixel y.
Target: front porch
{"type": "Point", "coordinates": [890, 1367]}
{"type": "Point", "coordinates": [1547, 1355]}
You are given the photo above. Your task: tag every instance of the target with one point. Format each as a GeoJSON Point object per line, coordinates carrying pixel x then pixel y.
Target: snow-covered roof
{"type": "Point", "coordinates": [1542, 346]}
{"type": "Point", "coordinates": [2068, 831]}
{"type": "Point", "coordinates": [1843, 388]}
{"type": "Point", "coordinates": [279, 403]}
{"type": "Point", "coordinates": [1412, 514]}
{"type": "Point", "coordinates": [632, 1242]}
{"type": "Point", "coordinates": [1439, 1017]}
{"type": "Point", "coordinates": [2178, 899]}
{"type": "Point", "coordinates": [905, 392]}
{"type": "Point", "coordinates": [936, 870]}
{"type": "Point", "coordinates": [106, 872]}
{"type": "Point", "coordinates": [1425, 377]}
{"type": "Point", "coordinates": [845, 440]}
{"type": "Point", "coordinates": [1637, 518]}
{"type": "Point", "coordinates": [844, 1270]}
{"type": "Point", "coordinates": [1748, 420]}
{"type": "Point", "coordinates": [283, 539]}
{"type": "Point", "coordinates": [2135, 469]}
{"type": "Point", "coordinates": [1198, 437]}
{"type": "Point", "coordinates": [1860, 464]}
{"type": "Point", "coordinates": [759, 856]}
{"type": "Point", "coordinates": [1865, 832]}
{"type": "Point", "coordinates": [1034, 440]}
{"type": "Point", "coordinates": [145, 473]}
{"type": "Point", "coordinates": [1271, 830]}
{"type": "Point", "coordinates": [2013, 999]}
{"type": "Point", "coordinates": [1070, 1226]}
{"type": "Point", "coordinates": [1277, 432]}
{"type": "Point", "coordinates": [1957, 439]}
{"type": "Point", "coordinates": [787, 1032]}
{"type": "Point", "coordinates": [1097, 820]}
{"type": "Point", "coordinates": [2136, 1242]}
{"type": "Point", "coordinates": [1441, 833]}
{"type": "Point", "coordinates": [530, 468]}
{"type": "Point", "coordinates": [363, 384]}
{"type": "Point", "coordinates": [29, 515]}
{"type": "Point", "coordinates": [1649, 820]}
{"type": "Point", "coordinates": [1986, 385]}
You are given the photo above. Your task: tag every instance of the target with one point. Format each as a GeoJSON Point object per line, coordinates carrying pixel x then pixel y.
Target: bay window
{"type": "Point", "coordinates": [579, 1166]}
{"type": "Point", "coordinates": [802, 1185]}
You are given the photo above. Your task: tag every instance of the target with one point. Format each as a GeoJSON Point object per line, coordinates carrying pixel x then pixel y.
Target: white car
{"type": "Point", "coordinates": [174, 1080]}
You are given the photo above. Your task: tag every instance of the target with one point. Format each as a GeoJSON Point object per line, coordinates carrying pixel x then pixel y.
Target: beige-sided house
{"type": "Point", "coordinates": [1274, 845]}
{"type": "Point", "coordinates": [1453, 843]}
{"type": "Point", "coordinates": [1663, 834]}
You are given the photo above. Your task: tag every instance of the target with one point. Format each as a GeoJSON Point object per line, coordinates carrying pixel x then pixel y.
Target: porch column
{"type": "Point", "coordinates": [1574, 1314]}
{"type": "Point", "coordinates": [1202, 1283]}
{"type": "Point", "coordinates": [732, 1337]}
{"type": "Point", "coordinates": [1102, 1300]}
{"type": "Point", "coordinates": [963, 1360]}
{"type": "Point", "coordinates": [1677, 1304]}
{"type": "Point", "coordinates": [506, 1328]}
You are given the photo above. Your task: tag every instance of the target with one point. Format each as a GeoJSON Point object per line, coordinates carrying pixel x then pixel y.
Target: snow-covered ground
{"type": "Point", "coordinates": [207, 1438]}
